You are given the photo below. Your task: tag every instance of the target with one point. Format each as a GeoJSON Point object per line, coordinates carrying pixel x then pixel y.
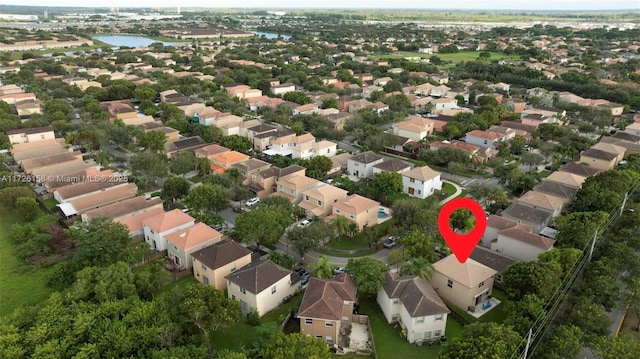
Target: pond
{"type": "Point", "coordinates": [132, 41]}
{"type": "Point", "coordinates": [272, 35]}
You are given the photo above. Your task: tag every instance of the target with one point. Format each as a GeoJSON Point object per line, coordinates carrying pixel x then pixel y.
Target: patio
{"type": "Point", "coordinates": [484, 307]}
{"type": "Point", "coordinates": [359, 337]}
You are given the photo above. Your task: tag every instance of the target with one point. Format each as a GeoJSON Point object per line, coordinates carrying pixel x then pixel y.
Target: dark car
{"type": "Point", "coordinates": [303, 274]}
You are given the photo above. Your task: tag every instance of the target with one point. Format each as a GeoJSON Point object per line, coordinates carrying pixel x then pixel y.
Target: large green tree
{"type": "Point", "coordinates": [368, 273]}
{"type": "Point", "coordinates": [564, 342]}
{"type": "Point", "coordinates": [294, 346]}
{"type": "Point", "coordinates": [152, 140]}
{"type": "Point", "coordinates": [183, 163]}
{"type": "Point", "coordinates": [209, 198]}
{"type": "Point", "coordinates": [263, 225]}
{"type": "Point", "coordinates": [387, 183]}
{"type": "Point", "coordinates": [537, 278]}
{"type": "Point", "coordinates": [417, 244]}
{"type": "Point", "coordinates": [303, 239]}
{"type": "Point", "coordinates": [175, 188]}
{"type": "Point", "coordinates": [482, 340]}
{"type": "Point", "coordinates": [236, 143]}
{"type": "Point", "coordinates": [576, 230]}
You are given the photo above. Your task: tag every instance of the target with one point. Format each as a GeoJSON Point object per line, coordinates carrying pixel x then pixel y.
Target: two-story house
{"type": "Point", "coordinates": [156, 228]}
{"type": "Point", "coordinates": [223, 161]}
{"type": "Point", "coordinates": [543, 201]}
{"type": "Point", "coordinates": [484, 138]}
{"type": "Point", "coordinates": [357, 209]}
{"type": "Point", "coordinates": [411, 302]}
{"type": "Point", "coordinates": [415, 128]}
{"type": "Point", "coordinates": [361, 165]}
{"type": "Point", "coordinates": [263, 183]}
{"type": "Point", "coordinates": [465, 284]}
{"type": "Point", "coordinates": [262, 286]}
{"type": "Point", "coordinates": [34, 134]}
{"type": "Point", "coordinates": [212, 264]}
{"type": "Point", "coordinates": [421, 182]}
{"type": "Point", "coordinates": [250, 167]}
{"type": "Point", "coordinates": [391, 165]}
{"type": "Point", "coordinates": [327, 307]}
{"type": "Point", "coordinates": [292, 186]}
{"type": "Point", "coordinates": [182, 243]}
{"type": "Point", "coordinates": [317, 201]}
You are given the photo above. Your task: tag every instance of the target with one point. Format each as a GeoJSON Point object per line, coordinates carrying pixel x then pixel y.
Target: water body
{"type": "Point", "coordinates": [132, 41]}
{"type": "Point", "coordinates": [272, 35]}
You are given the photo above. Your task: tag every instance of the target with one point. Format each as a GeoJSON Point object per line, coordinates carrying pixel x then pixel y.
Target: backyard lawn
{"type": "Point", "coordinates": [241, 335]}
{"type": "Point", "coordinates": [389, 343]}
{"type": "Point", "coordinates": [448, 189]}
{"type": "Point", "coordinates": [19, 283]}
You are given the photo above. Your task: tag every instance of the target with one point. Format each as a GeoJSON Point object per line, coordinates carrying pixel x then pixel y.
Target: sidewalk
{"type": "Point", "coordinates": [456, 194]}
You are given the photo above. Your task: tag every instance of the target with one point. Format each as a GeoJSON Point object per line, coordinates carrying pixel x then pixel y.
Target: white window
{"type": "Point", "coordinates": [481, 284]}
{"type": "Point", "coordinates": [308, 321]}
{"type": "Point", "coordinates": [205, 280]}
{"type": "Point", "coordinates": [449, 283]}
{"type": "Point", "coordinates": [420, 320]}
{"type": "Point", "coordinates": [345, 303]}
{"type": "Point", "coordinates": [345, 319]}
{"type": "Point", "coordinates": [204, 266]}
{"type": "Point", "coordinates": [337, 210]}
{"type": "Point", "coordinates": [306, 198]}
{"type": "Point", "coordinates": [412, 180]}
{"type": "Point", "coordinates": [273, 289]}
{"type": "Point", "coordinates": [427, 334]}
{"type": "Point", "coordinates": [242, 290]}
{"type": "Point", "coordinates": [233, 267]}
{"type": "Point", "coordinates": [395, 301]}
{"type": "Point", "coordinates": [437, 333]}
{"type": "Point", "coordinates": [352, 216]}
{"type": "Point", "coordinates": [319, 203]}
{"type": "Point", "coordinates": [439, 316]}
{"type": "Point", "coordinates": [328, 323]}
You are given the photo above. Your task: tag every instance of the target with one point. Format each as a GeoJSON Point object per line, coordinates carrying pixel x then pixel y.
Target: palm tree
{"type": "Point", "coordinates": [322, 268]}
{"type": "Point", "coordinates": [341, 224]}
{"type": "Point", "coordinates": [417, 266]}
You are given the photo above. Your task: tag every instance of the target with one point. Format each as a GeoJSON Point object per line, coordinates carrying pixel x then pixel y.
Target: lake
{"type": "Point", "coordinates": [132, 41]}
{"type": "Point", "coordinates": [271, 35]}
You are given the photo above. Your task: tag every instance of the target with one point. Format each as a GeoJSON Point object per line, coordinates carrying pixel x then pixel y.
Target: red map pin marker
{"type": "Point", "coordinates": [462, 244]}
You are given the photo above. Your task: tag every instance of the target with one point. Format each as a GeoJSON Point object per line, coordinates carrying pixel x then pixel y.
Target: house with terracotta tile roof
{"type": "Point", "coordinates": [599, 159]}
{"type": "Point", "coordinates": [133, 222]}
{"type": "Point", "coordinates": [543, 201]}
{"type": "Point", "coordinates": [537, 218]}
{"type": "Point", "coordinates": [421, 182]}
{"type": "Point", "coordinates": [292, 187]}
{"type": "Point", "coordinates": [357, 209]}
{"type": "Point", "coordinates": [263, 183]}
{"type": "Point", "coordinates": [33, 134]}
{"type": "Point", "coordinates": [210, 150]}
{"type": "Point", "coordinates": [495, 224]}
{"type": "Point", "coordinates": [212, 264]}
{"type": "Point", "coordinates": [484, 138]}
{"type": "Point", "coordinates": [262, 286]}
{"type": "Point", "coordinates": [619, 151]}
{"type": "Point", "coordinates": [415, 128]}
{"type": "Point", "coordinates": [411, 302]}
{"type": "Point", "coordinates": [566, 178]}
{"type": "Point", "coordinates": [520, 244]}
{"type": "Point", "coordinates": [157, 227]}
{"type": "Point", "coordinates": [316, 202]}
{"type": "Point", "coordinates": [119, 109]}
{"type": "Point", "coordinates": [182, 243]}
{"type": "Point", "coordinates": [465, 284]}
{"type": "Point", "coordinates": [223, 161]}
{"type": "Point", "coordinates": [327, 307]}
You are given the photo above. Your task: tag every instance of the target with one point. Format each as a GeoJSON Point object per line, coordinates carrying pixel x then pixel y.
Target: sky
{"type": "Point", "coordinates": [367, 4]}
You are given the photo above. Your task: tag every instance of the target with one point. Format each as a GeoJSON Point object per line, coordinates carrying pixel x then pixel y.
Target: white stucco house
{"type": "Point", "coordinates": [262, 286]}
{"type": "Point", "coordinates": [411, 302]}
{"type": "Point", "coordinates": [421, 182]}
{"type": "Point", "coordinates": [157, 227]}
{"type": "Point", "coordinates": [361, 165]}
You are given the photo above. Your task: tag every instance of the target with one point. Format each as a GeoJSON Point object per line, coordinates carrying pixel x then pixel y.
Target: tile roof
{"type": "Point", "coordinates": [469, 273]}
{"type": "Point", "coordinates": [366, 157]}
{"type": "Point", "coordinates": [527, 214]}
{"type": "Point", "coordinates": [221, 254]}
{"type": "Point", "coordinates": [53, 159]}
{"type": "Point", "coordinates": [105, 197]}
{"type": "Point", "coordinates": [415, 293]}
{"type": "Point", "coordinates": [134, 223]}
{"type": "Point", "coordinates": [30, 131]}
{"type": "Point", "coordinates": [598, 154]}
{"type": "Point", "coordinates": [485, 134]}
{"type": "Point", "coordinates": [528, 238]}
{"type": "Point", "coordinates": [122, 208]}
{"type": "Point", "coordinates": [556, 189]}
{"type": "Point", "coordinates": [578, 169]}
{"type": "Point", "coordinates": [260, 275]}
{"type": "Point", "coordinates": [357, 203]}
{"type": "Point", "coordinates": [424, 173]}
{"type": "Point", "coordinates": [193, 236]}
{"type": "Point", "coordinates": [543, 200]}
{"type": "Point", "coordinates": [168, 220]}
{"type": "Point", "coordinates": [566, 178]}
{"type": "Point", "coordinates": [501, 223]}
{"type": "Point", "coordinates": [211, 150]}
{"type": "Point", "coordinates": [324, 298]}
{"type": "Point", "coordinates": [392, 165]}
{"type": "Point", "coordinates": [491, 259]}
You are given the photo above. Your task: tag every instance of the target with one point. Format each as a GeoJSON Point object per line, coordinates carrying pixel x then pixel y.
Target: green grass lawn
{"type": "Point", "coordinates": [448, 189]}
{"type": "Point", "coordinates": [20, 284]}
{"type": "Point", "coordinates": [347, 244]}
{"type": "Point", "coordinates": [242, 334]}
{"type": "Point", "coordinates": [457, 57]}
{"type": "Point", "coordinates": [195, 179]}
{"type": "Point", "coordinates": [50, 202]}
{"type": "Point", "coordinates": [389, 343]}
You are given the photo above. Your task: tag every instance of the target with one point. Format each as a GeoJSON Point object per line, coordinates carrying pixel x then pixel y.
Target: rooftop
{"type": "Point", "coordinates": [260, 275]}
{"type": "Point", "coordinates": [324, 298]}
{"type": "Point", "coordinates": [193, 236]}
{"type": "Point", "coordinates": [221, 254]}
{"type": "Point", "coordinates": [469, 273]}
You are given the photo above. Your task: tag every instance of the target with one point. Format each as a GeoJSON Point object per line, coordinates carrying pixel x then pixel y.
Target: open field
{"type": "Point", "coordinates": [19, 283]}
{"type": "Point", "coordinates": [17, 55]}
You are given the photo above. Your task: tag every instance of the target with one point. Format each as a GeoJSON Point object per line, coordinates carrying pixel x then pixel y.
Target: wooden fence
{"type": "Point", "coordinates": [148, 259]}
{"type": "Point", "coordinates": [363, 319]}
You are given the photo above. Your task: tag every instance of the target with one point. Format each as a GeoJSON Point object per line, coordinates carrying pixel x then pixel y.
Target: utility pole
{"type": "Point", "coordinates": [624, 203]}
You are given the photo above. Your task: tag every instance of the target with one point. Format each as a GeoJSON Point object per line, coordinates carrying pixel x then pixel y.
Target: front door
{"type": "Point", "coordinates": [245, 306]}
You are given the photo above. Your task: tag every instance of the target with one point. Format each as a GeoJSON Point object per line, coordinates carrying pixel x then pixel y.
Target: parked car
{"type": "Point", "coordinates": [390, 242]}
{"type": "Point", "coordinates": [303, 274]}
{"type": "Point", "coordinates": [218, 226]}
{"type": "Point", "coordinates": [250, 202]}
{"type": "Point", "coordinates": [305, 223]}
{"type": "Point", "coordinates": [340, 270]}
